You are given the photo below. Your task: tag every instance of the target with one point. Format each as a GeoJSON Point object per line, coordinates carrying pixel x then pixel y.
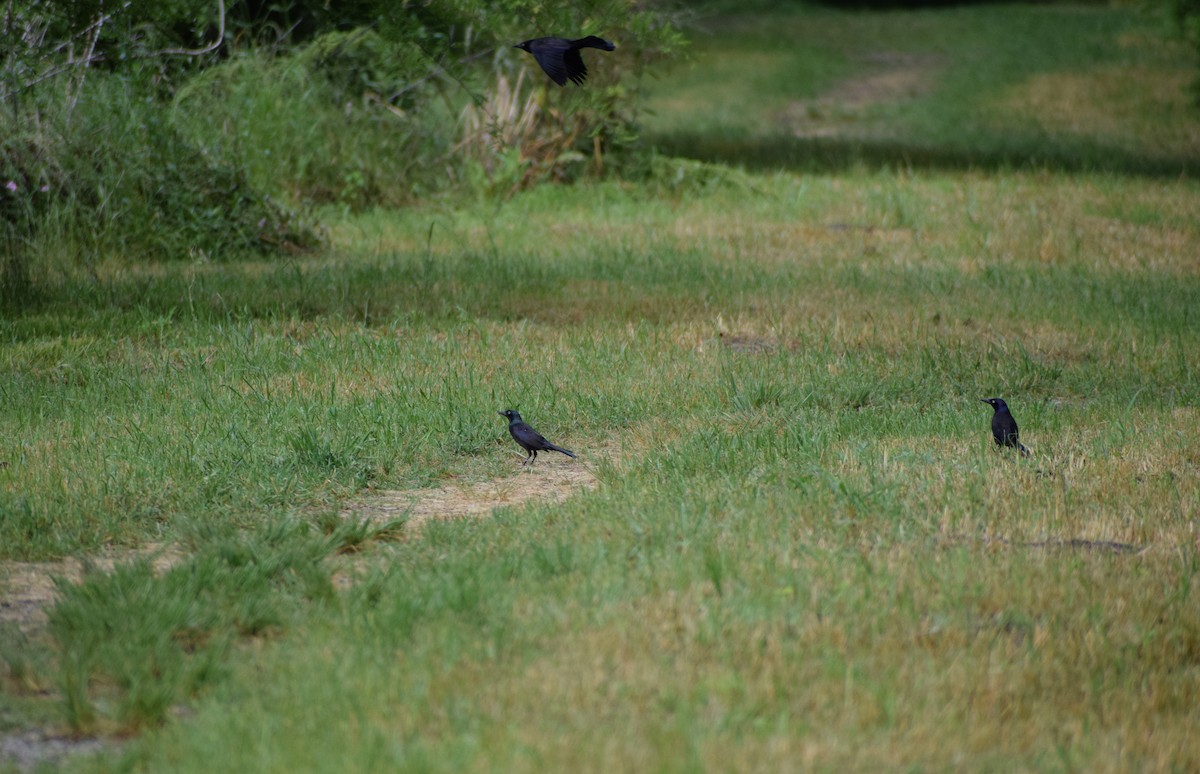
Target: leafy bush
{"type": "Point", "coordinates": [530, 130]}
{"type": "Point", "coordinates": [92, 168]}
{"type": "Point", "coordinates": [321, 124]}
{"type": "Point", "coordinates": [165, 130]}
{"type": "Point", "coordinates": [389, 115]}
{"type": "Point", "coordinates": [113, 177]}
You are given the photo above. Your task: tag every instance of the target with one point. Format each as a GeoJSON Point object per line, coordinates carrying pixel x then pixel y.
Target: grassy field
{"type": "Point", "coordinates": [1062, 86]}
{"type": "Point", "coordinates": [798, 547]}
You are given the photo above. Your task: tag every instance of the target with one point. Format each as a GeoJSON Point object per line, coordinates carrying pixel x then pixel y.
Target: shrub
{"type": "Point", "coordinates": [162, 130]}
{"type": "Point", "coordinates": [528, 130]}
{"type": "Point", "coordinates": [322, 123]}
{"type": "Point", "coordinates": [113, 177]}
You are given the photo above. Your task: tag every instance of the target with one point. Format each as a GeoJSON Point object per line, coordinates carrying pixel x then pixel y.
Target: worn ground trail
{"type": "Point", "coordinates": [890, 77]}
{"type": "Point", "coordinates": [545, 481]}
{"type": "Point", "coordinates": [27, 589]}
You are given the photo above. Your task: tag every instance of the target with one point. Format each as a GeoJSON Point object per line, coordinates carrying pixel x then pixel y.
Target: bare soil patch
{"type": "Point", "coordinates": [544, 481]}
{"type": "Point", "coordinates": [27, 589]}
{"type": "Point", "coordinates": [33, 750]}
{"type": "Point", "coordinates": [892, 77]}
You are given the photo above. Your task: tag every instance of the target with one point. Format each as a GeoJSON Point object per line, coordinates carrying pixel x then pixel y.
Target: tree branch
{"type": "Point", "coordinates": [200, 51]}
{"type": "Point", "coordinates": [90, 57]}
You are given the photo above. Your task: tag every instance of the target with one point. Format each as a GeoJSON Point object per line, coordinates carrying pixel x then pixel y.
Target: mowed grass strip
{"type": "Point", "coordinates": [292, 386]}
{"type": "Point", "coordinates": [796, 469]}
{"type": "Point", "coordinates": [716, 629]}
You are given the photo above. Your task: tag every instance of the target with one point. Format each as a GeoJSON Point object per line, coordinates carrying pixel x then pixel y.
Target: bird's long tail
{"type": "Point", "coordinates": [552, 447]}
{"type": "Point", "coordinates": [591, 41]}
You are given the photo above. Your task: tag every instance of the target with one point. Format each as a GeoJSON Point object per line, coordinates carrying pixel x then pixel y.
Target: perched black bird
{"type": "Point", "coordinates": [529, 439]}
{"type": "Point", "coordinates": [560, 57]}
{"type": "Point", "coordinates": [1004, 427]}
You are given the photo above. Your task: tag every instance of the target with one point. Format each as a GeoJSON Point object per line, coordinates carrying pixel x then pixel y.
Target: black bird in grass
{"type": "Point", "coordinates": [529, 439]}
{"type": "Point", "coordinates": [1004, 427]}
{"type": "Point", "coordinates": [560, 58]}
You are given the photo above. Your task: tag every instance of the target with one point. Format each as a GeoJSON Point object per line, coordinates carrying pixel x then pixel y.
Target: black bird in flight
{"type": "Point", "coordinates": [560, 57]}
{"type": "Point", "coordinates": [529, 439]}
{"type": "Point", "coordinates": [1004, 427]}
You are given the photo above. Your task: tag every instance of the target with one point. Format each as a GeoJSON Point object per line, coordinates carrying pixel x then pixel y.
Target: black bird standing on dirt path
{"type": "Point", "coordinates": [560, 57]}
{"type": "Point", "coordinates": [1004, 427]}
{"type": "Point", "coordinates": [529, 439]}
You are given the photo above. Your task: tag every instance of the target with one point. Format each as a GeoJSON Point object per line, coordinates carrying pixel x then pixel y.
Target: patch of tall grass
{"type": "Point", "coordinates": [316, 126]}
{"type": "Point", "coordinates": [110, 178]}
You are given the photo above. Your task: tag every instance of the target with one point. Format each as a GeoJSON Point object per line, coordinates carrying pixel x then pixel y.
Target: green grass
{"type": "Point", "coordinates": [803, 551]}
{"type": "Point", "coordinates": [1055, 85]}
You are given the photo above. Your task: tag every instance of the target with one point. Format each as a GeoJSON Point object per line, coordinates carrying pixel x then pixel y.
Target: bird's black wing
{"type": "Point", "coordinates": [1004, 429]}
{"type": "Point", "coordinates": [576, 69]}
{"type": "Point", "coordinates": [551, 61]}
{"type": "Point", "coordinates": [528, 437]}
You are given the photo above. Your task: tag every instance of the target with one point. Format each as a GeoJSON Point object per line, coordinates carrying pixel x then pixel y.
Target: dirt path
{"type": "Point", "coordinates": [28, 589]}
{"type": "Point", "coordinates": [546, 481]}
{"type": "Point", "coordinates": [892, 77]}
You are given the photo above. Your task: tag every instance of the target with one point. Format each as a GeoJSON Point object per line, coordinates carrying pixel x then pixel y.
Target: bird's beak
{"type": "Point", "coordinates": [501, 413]}
{"type": "Point", "coordinates": [983, 400]}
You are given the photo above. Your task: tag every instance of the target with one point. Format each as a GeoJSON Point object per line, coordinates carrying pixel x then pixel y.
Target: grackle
{"type": "Point", "coordinates": [1004, 427]}
{"type": "Point", "coordinates": [560, 58]}
{"type": "Point", "coordinates": [529, 439]}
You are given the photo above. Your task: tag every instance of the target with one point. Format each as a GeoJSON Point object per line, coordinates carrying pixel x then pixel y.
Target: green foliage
{"type": "Point", "coordinates": [317, 125]}
{"type": "Point", "coordinates": [136, 27]}
{"type": "Point", "coordinates": [1186, 16]}
{"type": "Point", "coordinates": [302, 104]}
{"type": "Point", "coordinates": [527, 130]}
{"type": "Point", "coordinates": [112, 178]}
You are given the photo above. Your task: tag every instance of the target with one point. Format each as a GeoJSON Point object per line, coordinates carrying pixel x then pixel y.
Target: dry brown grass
{"type": "Point", "coordinates": [1141, 106]}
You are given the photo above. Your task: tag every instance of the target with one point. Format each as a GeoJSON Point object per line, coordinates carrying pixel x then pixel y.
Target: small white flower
{"type": "Point", "coordinates": [11, 185]}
